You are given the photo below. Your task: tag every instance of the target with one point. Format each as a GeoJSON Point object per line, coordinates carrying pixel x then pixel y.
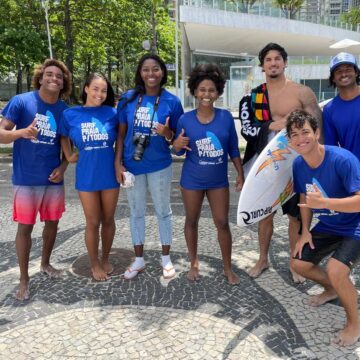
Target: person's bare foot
{"type": "Point", "coordinates": [22, 293]}
{"type": "Point", "coordinates": [193, 274]}
{"type": "Point", "coordinates": [296, 278]}
{"type": "Point", "coordinates": [348, 336]}
{"type": "Point", "coordinates": [51, 271]}
{"type": "Point", "coordinates": [258, 269]}
{"type": "Point", "coordinates": [99, 274]}
{"type": "Point", "coordinates": [322, 298]}
{"type": "Point", "coordinates": [108, 268]}
{"type": "Point", "coordinates": [232, 278]}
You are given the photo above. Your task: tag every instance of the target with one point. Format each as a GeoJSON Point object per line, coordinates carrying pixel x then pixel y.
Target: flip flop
{"type": "Point", "coordinates": [132, 273]}
{"type": "Point", "coordinates": [169, 271]}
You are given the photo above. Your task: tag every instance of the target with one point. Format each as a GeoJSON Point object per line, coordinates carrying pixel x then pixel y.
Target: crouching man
{"type": "Point", "coordinates": [328, 179]}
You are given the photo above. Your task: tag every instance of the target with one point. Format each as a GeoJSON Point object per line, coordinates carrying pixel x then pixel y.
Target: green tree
{"type": "Point", "coordinates": [352, 17]}
{"type": "Point", "coordinates": [23, 40]}
{"type": "Point", "coordinates": [289, 7]}
{"type": "Point", "coordinates": [244, 5]}
{"type": "Point", "coordinates": [97, 35]}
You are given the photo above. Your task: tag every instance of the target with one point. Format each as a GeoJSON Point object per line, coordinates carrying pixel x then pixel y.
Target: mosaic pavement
{"type": "Point", "coordinates": [154, 318]}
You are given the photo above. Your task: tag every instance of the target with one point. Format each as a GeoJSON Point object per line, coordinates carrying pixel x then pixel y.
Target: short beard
{"type": "Point", "coordinates": [273, 76]}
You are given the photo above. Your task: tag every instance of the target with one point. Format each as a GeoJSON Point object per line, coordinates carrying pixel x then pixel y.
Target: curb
{"type": "Point", "coordinates": [6, 158]}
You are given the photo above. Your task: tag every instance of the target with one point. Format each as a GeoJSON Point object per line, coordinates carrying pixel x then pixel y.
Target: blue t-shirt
{"type": "Point", "coordinates": [157, 153]}
{"type": "Point", "coordinates": [35, 160]}
{"type": "Point", "coordinates": [338, 176]}
{"type": "Point", "coordinates": [93, 130]}
{"type": "Point", "coordinates": [206, 166]}
{"type": "Point", "coordinates": [341, 122]}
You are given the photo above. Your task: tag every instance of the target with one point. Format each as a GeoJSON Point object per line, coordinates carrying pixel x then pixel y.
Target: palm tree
{"type": "Point", "coordinates": [289, 7]}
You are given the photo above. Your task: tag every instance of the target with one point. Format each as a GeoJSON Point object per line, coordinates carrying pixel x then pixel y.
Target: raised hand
{"type": "Point", "coordinates": [314, 199]}
{"type": "Point", "coordinates": [182, 142]}
{"type": "Point", "coordinates": [164, 130]}
{"type": "Point", "coordinates": [30, 132]}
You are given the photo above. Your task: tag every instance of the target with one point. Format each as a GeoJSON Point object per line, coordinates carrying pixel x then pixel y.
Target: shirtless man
{"type": "Point", "coordinates": [260, 121]}
{"type": "Point", "coordinates": [38, 171]}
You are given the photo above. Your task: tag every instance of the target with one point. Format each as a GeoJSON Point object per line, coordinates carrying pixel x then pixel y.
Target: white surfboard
{"type": "Point", "coordinates": [269, 183]}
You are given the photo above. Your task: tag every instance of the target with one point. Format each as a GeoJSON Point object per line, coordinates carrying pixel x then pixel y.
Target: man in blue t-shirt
{"type": "Point", "coordinates": [328, 180]}
{"type": "Point", "coordinates": [341, 115]}
{"type": "Point", "coordinates": [37, 167]}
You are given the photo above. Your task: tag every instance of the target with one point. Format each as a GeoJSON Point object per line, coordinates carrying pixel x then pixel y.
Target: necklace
{"type": "Point", "coordinates": [205, 119]}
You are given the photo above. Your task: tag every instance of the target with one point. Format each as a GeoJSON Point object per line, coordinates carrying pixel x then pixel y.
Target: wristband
{"type": "Point", "coordinates": [171, 138]}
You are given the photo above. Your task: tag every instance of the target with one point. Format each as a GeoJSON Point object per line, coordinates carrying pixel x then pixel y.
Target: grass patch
{"type": "Point", "coordinates": [6, 150]}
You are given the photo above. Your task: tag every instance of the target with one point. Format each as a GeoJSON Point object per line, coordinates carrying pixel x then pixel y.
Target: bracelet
{"type": "Point", "coordinates": [171, 138]}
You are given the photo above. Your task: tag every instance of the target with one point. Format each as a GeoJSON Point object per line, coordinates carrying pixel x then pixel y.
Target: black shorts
{"type": "Point", "coordinates": [291, 206]}
{"type": "Point", "coordinates": [344, 249]}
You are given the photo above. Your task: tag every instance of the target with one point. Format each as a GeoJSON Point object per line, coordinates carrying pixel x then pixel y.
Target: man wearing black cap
{"type": "Point", "coordinates": [341, 116]}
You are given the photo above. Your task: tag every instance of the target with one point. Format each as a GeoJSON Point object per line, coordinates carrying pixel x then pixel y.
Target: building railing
{"type": "Point", "coordinates": [266, 8]}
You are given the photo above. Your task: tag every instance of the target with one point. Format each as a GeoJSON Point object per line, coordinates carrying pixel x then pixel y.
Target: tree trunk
{"type": "Point", "coordinates": [109, 73]}
{"type": "Point", "coordinates": [153, 28]}
{"type": "Point", "coordinates": [88, 66]}
{"type": "Point", "coordinates": [69, 43]}
{"type": "Point", "coordinates": [19, 76]}
{"type": "Point", "coordinates": [117, 89]}
{"type": "Point", "coordinates": [28, 77]}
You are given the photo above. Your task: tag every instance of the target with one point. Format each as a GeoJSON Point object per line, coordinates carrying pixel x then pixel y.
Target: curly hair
{"type": "Point", "coordinates": [110, 96]}
{"type": "Point", "coordinates": [40, 70]}
{"type": "Point", "coordinates": [206, 72]}
{"type": "Point", "coordinates": [272, 46]}
{"type": "Point", "coordinates": [297, 120]}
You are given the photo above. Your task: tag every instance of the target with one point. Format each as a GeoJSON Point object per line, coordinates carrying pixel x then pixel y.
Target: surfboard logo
{"type": "Point", "coordinates": [249, 217]}
{"type": "Point", "coordinates": [274, 157]}
{"type": "Point", "coordinates": [285, 194]}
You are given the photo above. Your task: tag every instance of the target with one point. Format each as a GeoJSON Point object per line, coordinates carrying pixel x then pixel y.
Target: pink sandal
{"type": "Point", "coordinates": [132, 273]}
{"type": "Point", "coordinates": [169, 271]}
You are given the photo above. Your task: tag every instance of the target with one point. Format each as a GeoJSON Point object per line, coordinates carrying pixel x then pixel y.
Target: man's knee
{"type": "Point", "coordinates": [337, 272]}
{"type": "Point", "coordinates": [266, 223]}
{"type": "Point", "coordinates": [25, 229]}
{"type": "Point", "coordinates": [52, 224]}
{"type": "Point", "coordinates": [300, 266]}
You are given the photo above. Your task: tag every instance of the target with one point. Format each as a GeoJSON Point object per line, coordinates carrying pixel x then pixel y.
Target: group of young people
{"type": "Point", "coordinates": [326, 177]}
{"type": "Point", "coordinates": [109, 146]}
{"type": "Point", "coordinates": [134, 142]}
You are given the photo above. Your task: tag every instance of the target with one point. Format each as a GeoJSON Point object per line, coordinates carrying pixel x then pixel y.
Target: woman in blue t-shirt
{"type": "Point", "coordinates": [148, 115]}
{"type": "Point", "coordinates": [93, 130]}
{"type": "Point", "coordinates": [207, 135]}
